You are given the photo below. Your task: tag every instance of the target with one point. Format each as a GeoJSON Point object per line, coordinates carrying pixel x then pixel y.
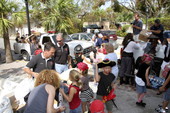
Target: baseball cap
{"type": "Point", "coordinates": [82, 66]}
{"type": "Point", "coordinates": [97, 106]}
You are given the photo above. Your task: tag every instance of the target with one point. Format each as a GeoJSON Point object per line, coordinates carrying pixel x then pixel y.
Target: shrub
{"type": "Point", "coordinates": [125, 28]}
{"type": "Point", "coordinates": [122, 32]}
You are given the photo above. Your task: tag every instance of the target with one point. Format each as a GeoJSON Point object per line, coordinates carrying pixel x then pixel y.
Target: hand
{"type": "Point", "coordinates": [162, 89]}
{"type": "Point", "coordinates": [61, 90]}
{"type": "Point", "coordinates": [148, 84]}
{"type": "Point", "coordinates": [115, 86]}
{"type": "Point", "coordinates": [134, 26]}
{"type": "Point", "coordinates": [149, 30]}
{"type": "Point", "coordinates": [69, 66]}
{"type": "Point", "coordinates": [29, 76]}
{"type": "Point", "coordinates": [61, 108]}
{"type": "Point", "coordinates": [35, 75]}
{"type": "Point", "coordinates": [95, 61]}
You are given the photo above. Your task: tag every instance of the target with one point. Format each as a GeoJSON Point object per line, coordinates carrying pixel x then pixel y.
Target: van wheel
{"type": "Point", "coordinates": [25, 56]}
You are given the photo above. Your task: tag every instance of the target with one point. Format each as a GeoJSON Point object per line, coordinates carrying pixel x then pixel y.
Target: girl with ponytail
{"type": "Point", "coordinates": [73, 95]}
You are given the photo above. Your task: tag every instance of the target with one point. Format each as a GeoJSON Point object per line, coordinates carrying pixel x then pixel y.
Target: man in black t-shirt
{"type": "Point", "coordinates": [157, 29]}
{"type": "Point", "coordinates": [62, 57]}
{"type": "Point", "coordinates": [41, 61]}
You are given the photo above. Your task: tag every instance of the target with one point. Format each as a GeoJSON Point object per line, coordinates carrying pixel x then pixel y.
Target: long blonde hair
{"type": "Point", "coordinates": [74, 75]}
{"type": "Point", "coordinates": [48, 76]}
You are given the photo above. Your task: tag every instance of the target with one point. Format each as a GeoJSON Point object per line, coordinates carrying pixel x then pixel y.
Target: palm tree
{"type": "Point", "coordinates": [54, 14]}
{"type": "Point", "coordinates": [60, 14]}
{"type": "Point", "coordinates": [19, 18]}
{"type": "Point", "coordinates": [6, 9]}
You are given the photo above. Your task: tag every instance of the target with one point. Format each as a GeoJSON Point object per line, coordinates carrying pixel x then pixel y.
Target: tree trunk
{"type": "Point", "coordinates": [8, 52]}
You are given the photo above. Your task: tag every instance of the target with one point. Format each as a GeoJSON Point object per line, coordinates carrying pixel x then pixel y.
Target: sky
{"type": "Point", "coordinates": [107, 4]}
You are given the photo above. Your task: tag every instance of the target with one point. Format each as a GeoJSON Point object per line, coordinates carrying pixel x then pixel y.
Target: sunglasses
{"type": "Point", "coordinates": [59, 40]}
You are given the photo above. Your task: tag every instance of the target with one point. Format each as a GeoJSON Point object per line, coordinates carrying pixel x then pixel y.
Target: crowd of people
{"type": "Point", "coordinates": [47, 66]}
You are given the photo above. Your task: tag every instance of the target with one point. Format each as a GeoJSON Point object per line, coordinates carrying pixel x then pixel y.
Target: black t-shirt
{"type": "Point", "coordinates": [142, 70]}
{"type": "Point", "coordinates": [38, 63]}
{"type": "Point", "coordinates": [105, 83]}
{"type": "Point", "coordinates": [161, 28]}
{"type": "Point", "coordinates": [75, 61]}
{"type": "Point", "coordinates": [61, 54]}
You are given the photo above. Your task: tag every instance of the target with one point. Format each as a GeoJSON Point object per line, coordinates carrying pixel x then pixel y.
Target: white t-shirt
{"type": "Point", "coordinates": [131, 46]}
{"type": "Point", "coordinates": [160, 50]}
{"type": "Point", "coordinates": [113, 57]}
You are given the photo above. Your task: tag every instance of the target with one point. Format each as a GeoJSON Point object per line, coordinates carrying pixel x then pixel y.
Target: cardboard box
{"type": "Point", "coordinates": [144, 35]}
{"type": "Point", "coordinates": [13, 101]}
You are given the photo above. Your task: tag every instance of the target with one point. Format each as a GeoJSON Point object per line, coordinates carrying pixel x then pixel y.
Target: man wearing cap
{"type": "Point", "coordinates": [62, 57]}
{"type": "Point", "coordinates": [157, 29]}
{"type": "Point", "coordinates": [79, 57]}
{"type": "Point", "coordinates": [102, 40]}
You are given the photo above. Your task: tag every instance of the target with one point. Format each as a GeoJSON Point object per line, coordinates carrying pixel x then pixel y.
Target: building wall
{"type": "Point", "coordinates": [24, 30]}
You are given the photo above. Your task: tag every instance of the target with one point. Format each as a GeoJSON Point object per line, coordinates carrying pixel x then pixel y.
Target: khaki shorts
{"type": "Point", "coordinates": [108, 104]}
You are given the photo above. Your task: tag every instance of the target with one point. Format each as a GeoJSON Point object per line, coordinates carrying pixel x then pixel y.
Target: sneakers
{"type": "Point", "coordinates": [141, 104]}
{"type": "Point", "coordinates": [166, 108]}
{"type": "Point", "coordinates": [160, 110]}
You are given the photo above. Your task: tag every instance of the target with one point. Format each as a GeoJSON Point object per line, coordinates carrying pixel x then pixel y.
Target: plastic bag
{"type": "Point", "coordinates": [5, 105]}
{"type": "Point", "coordinates": [23, 89]}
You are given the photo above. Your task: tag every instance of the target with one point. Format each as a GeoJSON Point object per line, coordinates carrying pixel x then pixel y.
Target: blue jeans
{"type": "Point", "coordinates": [77, 110]}
{"type": "Point", "coordinates": [61, 67]}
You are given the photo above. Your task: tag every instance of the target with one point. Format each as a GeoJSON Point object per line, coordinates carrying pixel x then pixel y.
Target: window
{"type": "Point", "coordinates": [75, 37]}
{"type": "Point", "coordinates": [84, 37]}
{"type": "Point", "coordinates": [46, 39]}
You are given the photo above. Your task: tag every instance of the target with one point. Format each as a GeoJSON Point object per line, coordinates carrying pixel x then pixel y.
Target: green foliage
{"type": "Point", "coordinates": [122, 32]}
{"type": "Point", "coordinates": [19, 18]}
{"type": "Point", "coordinates": [117, 7]}
{"type": "Point", "coordinates": [125, 28]}
{"type": "Point", "coordinates": [6, 9]}
{"type": "Point", "coordinates": [60, 14]}
{"type": "Point", "coordinates": [5, 24]}
{"type": "Point", "coordinates": [95, 15]}
{"type": "Point", "coordinates": [141, 6]}
{"type": "Point", "coordinates": [164, 21]}
{"type": "Point", "coordinates": [77, 26]}
{"type": "Point", "coordinates": [124, 16]}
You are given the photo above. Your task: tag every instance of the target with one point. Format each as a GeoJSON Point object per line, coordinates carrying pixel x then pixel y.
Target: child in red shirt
{"type": "Point", "coordinates": [74, 89]}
